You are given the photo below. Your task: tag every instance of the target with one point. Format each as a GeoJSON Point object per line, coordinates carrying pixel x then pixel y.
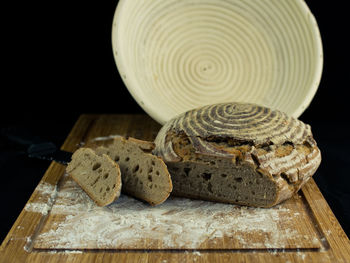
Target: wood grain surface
{"type": "Point", "coordinates": [307, 214]}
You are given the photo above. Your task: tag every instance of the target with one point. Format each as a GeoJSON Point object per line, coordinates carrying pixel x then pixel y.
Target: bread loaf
{"type": "Point", "coordinates": [144, 175]}
{"type": "Point", "coordinates": [98, 176]}
{"type": "Point", "coordinates": [238, 153]}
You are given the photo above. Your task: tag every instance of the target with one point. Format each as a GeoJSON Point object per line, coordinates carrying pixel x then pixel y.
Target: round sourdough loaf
{"type": "Point", "coordinates": [238, 153]}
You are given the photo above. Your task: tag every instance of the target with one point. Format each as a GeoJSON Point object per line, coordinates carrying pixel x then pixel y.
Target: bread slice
{"type": "Point", "coordinates": [144, 175]}
{"type": "Point", "coordinates": [98, 176]}
{"type": "Point", "coordinates": [238, 153]}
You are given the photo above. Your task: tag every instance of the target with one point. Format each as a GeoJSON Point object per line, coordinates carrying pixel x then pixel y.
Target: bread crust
{"type": "Point", "coordinates": [274, 144]}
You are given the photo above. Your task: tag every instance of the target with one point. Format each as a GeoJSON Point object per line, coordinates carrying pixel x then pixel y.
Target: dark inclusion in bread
{"type": "Point", "coordinates": [238, 153]}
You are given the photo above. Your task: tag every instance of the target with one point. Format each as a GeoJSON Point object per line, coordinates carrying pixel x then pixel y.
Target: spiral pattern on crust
{"type": "Point", "coordinates": [244, 122]}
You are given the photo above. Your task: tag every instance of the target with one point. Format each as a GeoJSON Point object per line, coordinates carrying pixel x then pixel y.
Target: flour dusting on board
{"type": "Point", "coordinates": [48, 192]}
{"type": "Point", "coordinates": [177, 223]}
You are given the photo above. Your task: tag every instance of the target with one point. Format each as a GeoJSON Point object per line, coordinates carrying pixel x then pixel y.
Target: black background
{"type": "Point", "coordinates": [57, 64]}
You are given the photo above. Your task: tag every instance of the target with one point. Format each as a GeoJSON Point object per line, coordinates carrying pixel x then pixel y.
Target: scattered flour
{"type": "Point", "coordinates": [301, 255]}
{"type": "Point", "coordinates": [105, 138]}
{"type": "Point", "coordinates": [177, 223]}
{"type": "Point", "coordinates": [42, 208]}
{"type": "Point", "coordinates": [28, 244]}
{"type": "Point", "coordinates": [66, 251]}
{"type": "Point", "coordinates": [47, 191]}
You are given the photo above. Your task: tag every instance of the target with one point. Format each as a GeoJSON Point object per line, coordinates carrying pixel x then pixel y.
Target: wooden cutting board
{"type": "Point", "coordinates": [61, 224]}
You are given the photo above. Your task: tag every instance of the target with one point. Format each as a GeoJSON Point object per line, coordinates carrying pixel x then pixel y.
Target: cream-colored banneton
{"type": "Point", "coordinates": [175, 55]}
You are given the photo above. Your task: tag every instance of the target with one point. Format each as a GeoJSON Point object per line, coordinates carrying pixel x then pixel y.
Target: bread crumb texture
{"type": "Point", "coordinates": [144, 175]}
{"type": "Point", "coordinates": [99, 176]}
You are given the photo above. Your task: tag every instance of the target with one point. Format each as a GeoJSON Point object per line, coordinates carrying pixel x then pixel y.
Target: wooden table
{"type": "Point", "coordinates": [321, 238]}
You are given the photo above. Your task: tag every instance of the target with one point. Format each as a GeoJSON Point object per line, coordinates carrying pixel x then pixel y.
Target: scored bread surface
{"type": "Point", "coordinates": [98, 176]}
{"type": "Point", "coordinates": [238, 153]}
{"type": "Point", "coordinates": [144, 175]}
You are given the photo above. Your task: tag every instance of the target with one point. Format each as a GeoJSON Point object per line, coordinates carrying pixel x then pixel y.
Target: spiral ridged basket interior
{"type": "Point", "coordinates": [176, 55]}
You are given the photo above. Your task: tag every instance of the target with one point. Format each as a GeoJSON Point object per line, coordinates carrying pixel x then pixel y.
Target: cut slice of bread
{"type": "Point", "coordinates": [98, 176]}
{"type": "Point", "coordinates": [144, 175]}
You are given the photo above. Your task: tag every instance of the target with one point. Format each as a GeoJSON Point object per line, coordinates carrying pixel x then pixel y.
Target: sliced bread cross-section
{"type": "Point", "coordinates": [144, 175]}
{"type": "Point", "coordinates": [98, 176]}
